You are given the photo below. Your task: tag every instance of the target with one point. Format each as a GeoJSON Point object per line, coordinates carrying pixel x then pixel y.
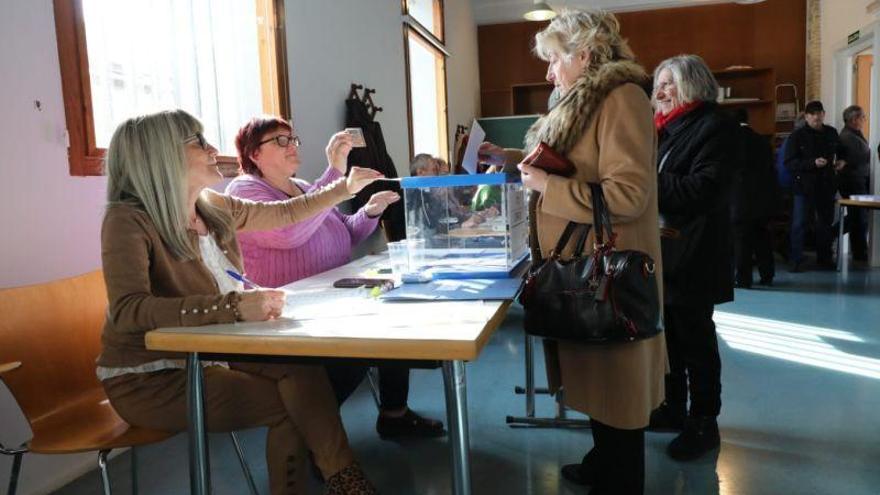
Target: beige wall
{"type": "Point", "coordinates": [839, 19]}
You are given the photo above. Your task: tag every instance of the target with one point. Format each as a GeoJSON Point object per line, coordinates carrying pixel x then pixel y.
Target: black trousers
{"type": "Point", "coordinates": [393, 383]}
{"type": "Point", "coordinates": [620, 455]}
{"type": "Point", "coordinates": [753, 246]}
{"type": "Point", "coordinates": [694, 362]}
{"type": "Point", "coordinates": [856, 220]}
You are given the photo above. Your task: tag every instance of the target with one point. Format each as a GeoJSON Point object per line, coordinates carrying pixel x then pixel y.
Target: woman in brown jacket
{"type": "Point", "coordinates": [166, 243]}
{"type": "Point", "coordinates": [603, 124]}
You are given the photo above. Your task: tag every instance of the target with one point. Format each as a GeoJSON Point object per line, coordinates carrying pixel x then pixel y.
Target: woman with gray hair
{"type": "Point", "coordinates": [602, 124]}
{"type": "Point", "coordinates": [854, 176]}
{"type": "Point", "coordinates": [167, 242]}
{"type": "Point", "coordinates": [697, 156]}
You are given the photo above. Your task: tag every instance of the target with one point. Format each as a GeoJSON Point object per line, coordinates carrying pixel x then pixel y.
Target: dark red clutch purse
{"type": "Point", "coordinates": [548, 160]}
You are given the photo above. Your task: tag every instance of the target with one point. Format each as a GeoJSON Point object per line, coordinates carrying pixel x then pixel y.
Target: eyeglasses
{"type": "Point", "coordinates": [283, 140]}
{"type": "Point", "coordinates": [200, 139]}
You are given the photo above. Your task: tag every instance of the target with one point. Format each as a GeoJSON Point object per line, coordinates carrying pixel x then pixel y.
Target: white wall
{"type": "Point", "coordinates": [463, 67]}
{"type": "Point", "coordinates": [331, 45]}
{"type": "Point", "coordinates": [362, 42]}
{"type": "Point", "coordinates": [51, 221]}
{"type": "Point", "coordinates": [839, 19]}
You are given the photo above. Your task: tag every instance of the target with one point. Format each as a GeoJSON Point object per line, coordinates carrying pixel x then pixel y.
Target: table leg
{"type": "Point", "coordinates": [199, 472]}
{"type": "Point", "coordinates": [841, 212]}
{"type": "Point", "coordinates": [530, 377]}
{"type": "Point", "coordinates": [455, 384]}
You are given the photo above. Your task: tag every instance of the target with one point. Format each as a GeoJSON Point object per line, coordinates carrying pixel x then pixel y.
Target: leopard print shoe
{"type": "Point", "coordinates": [350, 481]}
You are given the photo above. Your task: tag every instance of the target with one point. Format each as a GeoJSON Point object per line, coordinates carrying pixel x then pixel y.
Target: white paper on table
{"type": "Point", "coordinates": [329, 303]}
{"type": "Point", "coordinates": [865, 197]}
{"type": "Point", "coordinates": [475, 139]}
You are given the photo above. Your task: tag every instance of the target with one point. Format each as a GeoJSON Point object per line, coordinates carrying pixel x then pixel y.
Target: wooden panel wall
{"type": "Point", "coordinates": [769, 34]}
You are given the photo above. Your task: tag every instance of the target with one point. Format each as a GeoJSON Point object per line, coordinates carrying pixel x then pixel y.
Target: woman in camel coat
{"type": "Point", "coordinates": [603, 124]}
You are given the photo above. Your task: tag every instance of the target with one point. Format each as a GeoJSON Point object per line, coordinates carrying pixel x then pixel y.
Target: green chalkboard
{"type": "Point", "coordinates": [507, 132]}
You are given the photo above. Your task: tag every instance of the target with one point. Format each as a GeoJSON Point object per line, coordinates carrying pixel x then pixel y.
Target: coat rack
{"type": "Point", "coordinates": [366, 99]}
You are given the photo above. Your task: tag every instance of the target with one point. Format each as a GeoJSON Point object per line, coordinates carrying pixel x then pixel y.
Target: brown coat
{"type": "Point", "coordinates": [616, 384]}
{"type": "Point", "coordinates": [148, 287]}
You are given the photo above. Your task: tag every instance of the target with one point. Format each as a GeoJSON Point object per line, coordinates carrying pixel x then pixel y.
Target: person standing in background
{"type": "Point", "coordinates": [853, 177]}
{"type": "Point", "coordinates": [755, 196]}
{"type": "Point", "coordinates": [810, 155]}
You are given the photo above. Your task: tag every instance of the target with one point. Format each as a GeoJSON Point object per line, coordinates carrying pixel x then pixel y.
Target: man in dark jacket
{"type": "Point", "coordinates": [853, 177]}
{"type": "Point", "coordinates": [755, 195]}
{"type": "Point", "coordinates": [810, 156]}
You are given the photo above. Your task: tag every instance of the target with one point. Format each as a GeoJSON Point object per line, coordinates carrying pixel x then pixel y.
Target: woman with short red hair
{"type": "Point", "coordinates": [268, 151]}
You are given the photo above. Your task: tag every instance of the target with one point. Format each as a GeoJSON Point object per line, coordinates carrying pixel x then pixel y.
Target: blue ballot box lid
{"type": "Point", "coordinates": [458, 180]}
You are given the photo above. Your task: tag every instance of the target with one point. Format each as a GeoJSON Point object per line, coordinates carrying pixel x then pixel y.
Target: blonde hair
{"type": "Point", "coordinates": [573, 31]}
{"type": "Point", "coordinates": [146, 168]}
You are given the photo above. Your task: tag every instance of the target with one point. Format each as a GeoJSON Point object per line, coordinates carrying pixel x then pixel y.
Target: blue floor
{"type": "Point", "coordinates": [801, 413]}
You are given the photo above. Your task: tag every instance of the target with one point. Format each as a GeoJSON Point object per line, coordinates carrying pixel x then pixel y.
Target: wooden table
{"type": "Point", "coordinates": [842, 205]}
{"type": "Point", "coordinates": [320, 321]}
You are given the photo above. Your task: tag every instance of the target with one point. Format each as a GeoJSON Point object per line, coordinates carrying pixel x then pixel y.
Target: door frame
{"type": "Point", "coordinates": [843, 93]}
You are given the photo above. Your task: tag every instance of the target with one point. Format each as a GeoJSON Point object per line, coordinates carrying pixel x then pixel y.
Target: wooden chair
{"type": "Point", "coordinates": [49, 339]}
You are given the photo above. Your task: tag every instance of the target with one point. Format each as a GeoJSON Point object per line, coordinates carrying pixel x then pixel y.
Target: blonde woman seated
{"type": "Point", "coordinates": [166, 242]}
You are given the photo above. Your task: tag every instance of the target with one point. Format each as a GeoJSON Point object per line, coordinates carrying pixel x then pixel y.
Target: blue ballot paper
{"type": "Point", "coordinates": [455, 290]}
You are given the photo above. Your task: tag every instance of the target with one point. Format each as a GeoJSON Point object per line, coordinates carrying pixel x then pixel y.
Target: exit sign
{"type": "Point", "coordinates": [852, 38]}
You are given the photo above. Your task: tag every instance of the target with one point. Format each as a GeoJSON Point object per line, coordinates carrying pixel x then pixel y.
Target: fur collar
{"type": "Point", "coordinates": [565, 123]}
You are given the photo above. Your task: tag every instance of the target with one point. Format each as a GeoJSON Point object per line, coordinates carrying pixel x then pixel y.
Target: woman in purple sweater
{"type": "Point", "coordinates": [268, 152]}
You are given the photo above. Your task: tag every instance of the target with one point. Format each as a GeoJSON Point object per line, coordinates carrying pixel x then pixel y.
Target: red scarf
{"type": "Point", "coordinates": [661, 121]}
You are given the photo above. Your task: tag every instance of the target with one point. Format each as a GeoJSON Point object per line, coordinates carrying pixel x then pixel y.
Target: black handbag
{"type": "Point", "coordinates": [606, 297]}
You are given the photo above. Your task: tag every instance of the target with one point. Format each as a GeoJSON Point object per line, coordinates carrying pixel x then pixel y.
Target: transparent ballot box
{"type": "Point", "coordinates": [473, 226]}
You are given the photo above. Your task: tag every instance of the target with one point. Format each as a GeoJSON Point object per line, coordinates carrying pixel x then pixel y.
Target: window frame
{"type": "Point", "coordinates": [84, 156]}
{"type": "Point", "coordinates": [413, 27]}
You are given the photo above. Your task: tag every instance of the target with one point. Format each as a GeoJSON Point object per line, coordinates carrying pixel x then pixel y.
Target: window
{"type": "Point", "coordinates": [426, 76]}
{"type": "Point", "coordinates": [222, 61]}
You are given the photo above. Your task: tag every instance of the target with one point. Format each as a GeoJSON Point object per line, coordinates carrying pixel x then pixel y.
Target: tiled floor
{"type": "Point", "coordinates": [801, 412]}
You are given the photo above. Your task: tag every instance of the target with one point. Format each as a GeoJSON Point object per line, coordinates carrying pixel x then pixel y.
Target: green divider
{"type": "Point", "coordinates": [507, 132]}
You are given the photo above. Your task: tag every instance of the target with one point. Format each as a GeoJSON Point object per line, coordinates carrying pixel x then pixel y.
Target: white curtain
{"type": "Point", "coordinates": [150, 55]}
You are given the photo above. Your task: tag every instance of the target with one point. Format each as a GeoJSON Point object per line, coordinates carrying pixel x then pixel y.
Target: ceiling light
{"type": "Point", "coordinates": [540, 12]}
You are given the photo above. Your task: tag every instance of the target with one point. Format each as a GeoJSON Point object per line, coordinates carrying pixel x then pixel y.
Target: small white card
{"type": "Point", "coordinates": [357, 137]}
{"type": "Point", "coordinates": [475, 139]}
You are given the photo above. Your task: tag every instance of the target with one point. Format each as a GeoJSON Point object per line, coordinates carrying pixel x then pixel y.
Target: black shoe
{"type": "Point", "coordinates": [584, 473]}
{"type": "Point", "coordinates": [700, 435]}
{"type": "Point", "coordinates": [667, 419]}
{"type": "Point", "coordinates": [408, 425]}
{"type": "Point", "coordinates": [797, 267]}
{"type": "Point", "coordinates": [767, 281]}
{"type": "Point", "coordinates": [743, 284]}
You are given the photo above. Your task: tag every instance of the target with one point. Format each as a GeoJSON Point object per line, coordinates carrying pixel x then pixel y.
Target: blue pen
{"type": "Point", "coordinates": [241, 278]}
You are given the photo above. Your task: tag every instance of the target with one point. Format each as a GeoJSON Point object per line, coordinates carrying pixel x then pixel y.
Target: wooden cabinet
{"type": "Point", "coordinates": [529, 99]}
{"type": "Point", "coordinates": [751, 90]}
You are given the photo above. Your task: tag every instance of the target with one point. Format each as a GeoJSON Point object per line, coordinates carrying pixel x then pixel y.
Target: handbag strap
{"type": "Point", "coordinates": [601, 220]}
{"type": "Point", "coordinates": [601, 217]}
{"type": "Point", "coordinates": [566, 236]}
